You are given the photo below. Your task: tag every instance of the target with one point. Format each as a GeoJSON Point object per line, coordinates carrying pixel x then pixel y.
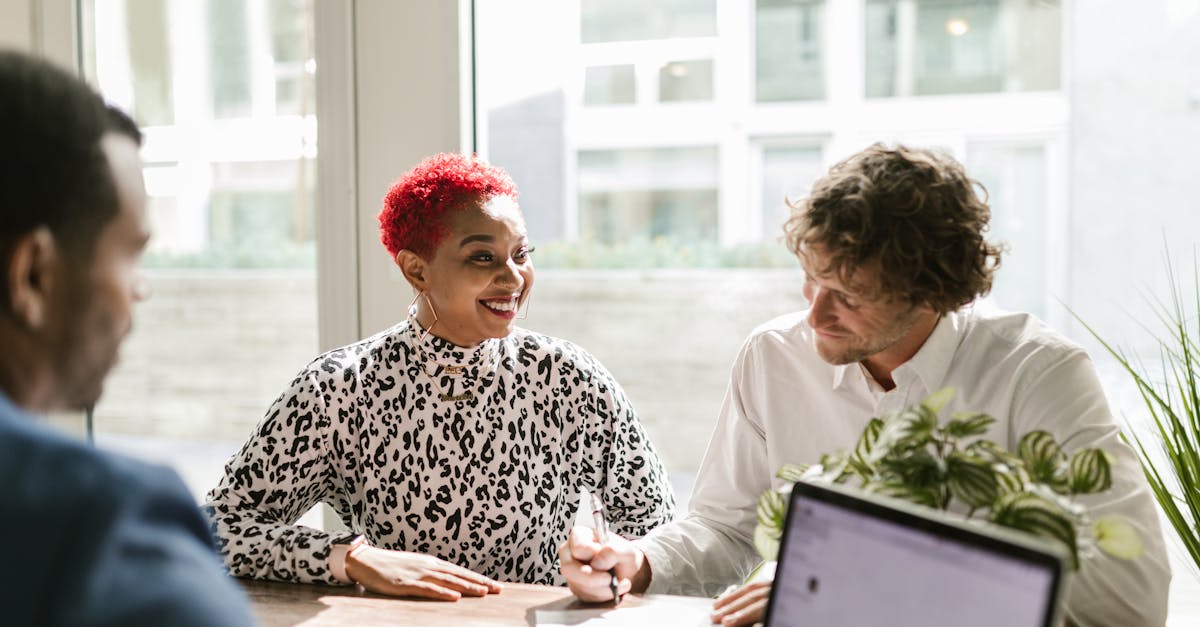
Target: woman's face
{"type": "Point", "coordinates": [479, 275]}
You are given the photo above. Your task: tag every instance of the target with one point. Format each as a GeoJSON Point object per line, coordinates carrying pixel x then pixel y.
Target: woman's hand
{"type": "Point", "coordinates": [745, 606]}
{"type": "Point", "coordinates": [585, 564]}
{"type": "Point", "coordinates": [399, 573]}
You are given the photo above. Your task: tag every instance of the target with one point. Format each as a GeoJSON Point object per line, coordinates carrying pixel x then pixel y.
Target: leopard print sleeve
{"type": "Point", "coordinates": [280, 473]}
{"type": "Point", "coordinates": [636, 490]}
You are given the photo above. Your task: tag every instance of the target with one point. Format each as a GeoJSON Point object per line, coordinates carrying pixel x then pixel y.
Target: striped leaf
{"type": "Point", "coordinates": [972, 480]}
{"type": "Point", "coordinates": [1031, 513]}
{"type": "Point", "coordinates": [792, 473]}
{"type": "Point", "coordinates": [969, 424]}
{"type": "Point", "coordinates": [864, 451]}
{"type": "Point", "coordinates": [927, 496]}
{"type": "Point", "coordinates": [936, 401]}
{"type": "Point", "coordinates": [1009, 479]}
{"type": "Point", "coordinates": [766, 541]}
{"type": "Point", "coordinates": [1090, 471]}
{"type": "Point", "coordinates": [772, 509]}
{"type": "Point", "coordinates": [1044, 459]}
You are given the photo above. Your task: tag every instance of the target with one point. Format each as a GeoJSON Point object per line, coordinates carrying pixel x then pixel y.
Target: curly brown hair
{"type": "Point", "coordinates": [910, 212]}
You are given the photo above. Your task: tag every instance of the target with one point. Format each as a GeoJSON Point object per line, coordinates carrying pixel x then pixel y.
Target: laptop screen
{"type": "Point", "coordinates": [847, 560]}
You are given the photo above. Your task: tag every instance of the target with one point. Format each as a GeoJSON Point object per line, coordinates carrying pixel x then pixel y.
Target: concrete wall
{"type": "Point", "coordinates": [211, 350]}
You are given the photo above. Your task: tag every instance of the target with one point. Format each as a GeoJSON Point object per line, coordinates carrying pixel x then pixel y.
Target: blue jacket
{"type": "Point", "coordinates": [95, 539]}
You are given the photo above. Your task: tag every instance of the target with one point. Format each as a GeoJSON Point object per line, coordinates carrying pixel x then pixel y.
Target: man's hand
{"type": "Point", "coordinates": [745, 606]}
{"type": "Point", "coordinates": [399, 573]}
{"type": "Point", "coordinates": [585, 564]}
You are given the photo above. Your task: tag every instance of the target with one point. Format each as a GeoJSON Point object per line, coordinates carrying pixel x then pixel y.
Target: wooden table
{"type": "Point", "coordinates": [279, 604]}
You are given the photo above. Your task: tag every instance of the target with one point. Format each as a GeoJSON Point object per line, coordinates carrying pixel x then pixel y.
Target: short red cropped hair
{"type": "Point", "coordinates": [416, 207]}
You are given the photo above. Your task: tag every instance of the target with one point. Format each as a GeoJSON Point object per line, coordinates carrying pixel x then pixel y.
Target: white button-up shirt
{"type": "Point", "coordinates": [786, 405]}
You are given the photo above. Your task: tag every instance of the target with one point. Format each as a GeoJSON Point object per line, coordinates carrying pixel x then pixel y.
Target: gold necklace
{"type": "Point", "coordinates": [485, 369]}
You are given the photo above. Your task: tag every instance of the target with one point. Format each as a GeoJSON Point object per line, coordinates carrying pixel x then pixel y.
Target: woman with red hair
{"type": "Point", "coordinates": [453, 445]}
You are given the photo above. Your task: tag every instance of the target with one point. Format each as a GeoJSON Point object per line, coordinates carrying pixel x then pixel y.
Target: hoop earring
{"type": "Point", "coordinates": [412, 313]}
{"type": "Point", "coordinates": [528, 302]}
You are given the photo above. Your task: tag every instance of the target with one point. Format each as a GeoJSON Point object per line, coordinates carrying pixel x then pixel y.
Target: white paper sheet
{"type": "Point", "coordinates": [653, 611]}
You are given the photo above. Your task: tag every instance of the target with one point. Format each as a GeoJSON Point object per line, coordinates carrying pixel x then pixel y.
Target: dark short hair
{"type": "Point", "coordinates": [418, 204]}
{"type": "Point", "coordinates": [53, 170]}
{"type": "Point", "coordinates": [911, 212]}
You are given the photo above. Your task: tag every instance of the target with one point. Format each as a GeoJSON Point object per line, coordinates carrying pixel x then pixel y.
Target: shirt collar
{"type": "Point", "coordinates": [930, 364]}
{"type": "Point", "coordinates": [932, 361]}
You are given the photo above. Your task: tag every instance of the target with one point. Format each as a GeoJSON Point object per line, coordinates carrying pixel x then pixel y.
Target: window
{"type": "Point", "coordinates": [682, 81]}
{"type": "Point", "coordinates": [647, 195]}
{"type": "Point", "coordinates": [1014, 174]}
{"type": "Point", "coordinates": [787, 172]}
{"type": "Point", "coordinates": [788, 50]}
{"type": "Point", "coordinates": [930, 47]}
{"type": "Point", "coordinates": [630, 20]}
{"type": "Point", "coordinates": [223, 91]}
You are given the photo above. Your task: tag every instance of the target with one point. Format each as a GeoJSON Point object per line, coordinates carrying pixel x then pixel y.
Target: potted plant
{"type": "Point", "coordinates": [949, 466]}
{"type": "Point", "coordinates": [1170, 453]}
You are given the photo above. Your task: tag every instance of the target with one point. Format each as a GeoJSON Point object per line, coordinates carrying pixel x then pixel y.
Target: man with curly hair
{"type": "Point", "coordinates": [892, 244]}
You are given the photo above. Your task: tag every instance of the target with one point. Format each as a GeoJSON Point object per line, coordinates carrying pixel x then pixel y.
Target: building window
{"type": "Point", "coordinates": [788, 170]}
{"type": "Point", "coordinates": [665, 195]}
{"type": "Point", "coordinates": [636, 20]}
{"type": "Point", "coordinates": [683, 81]}
{"type": "Point", "coordinates": [788, 39]}
{"type": "Point", "coordinates": [223, 93]}
{"type": "Point", "coordinates": [932, 47]}
{"type": "Point", "coordinates": [1014, 175]}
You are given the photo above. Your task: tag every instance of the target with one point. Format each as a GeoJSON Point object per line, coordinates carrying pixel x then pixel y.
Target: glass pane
{"type": "Point", "coordinates": [627, 20]}
{"type": "Point", "coordinates": [663, 195]}
{"type": "Point", "coordinates": [149, 60]}
{"type": "Point", "coordinates": [229, 168]}
{"type": "Point", "coordinates": [788, 38]}
{"type": "Point", "coordinates": [1014, 175]}
{"type": "Point", "coordinates": [609, 84]}
{"type": "Point", "coordinates": [788, 171]}
{"type": "Point", "coordinates": [229, 57]}
{"type": "Point", "coordinates": [680, 81]}
{"type": "Point", "coordinates": [1075, 169]}
{"type": "Point", "coordinates": [929, 47]}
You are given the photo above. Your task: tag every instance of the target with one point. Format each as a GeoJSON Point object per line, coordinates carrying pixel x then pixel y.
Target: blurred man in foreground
{"type": "Point", "coordinates": [93, 539]}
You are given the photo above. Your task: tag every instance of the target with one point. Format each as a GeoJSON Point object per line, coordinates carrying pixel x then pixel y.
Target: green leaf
{"type": "Point", "coordinates": [766, 541]}
{"type": "Point", "coordinates": [965, 425]}
{"type": "Point", "coordinates": [772, 508]}
{"type": "Point", "coordinates": [1009, 479]}
{"type": "Point", "coordinates": [1115, 536]}
{"type": "Point", "coordinates": [910, 428]}
{"type": "Point", "coordinates": [792, 473]}
{"type": "Point", "coordinates": [918, 468]}
{"type": "Point", "coordinates": [1090, 471]}
{"type": "Point", "coordinates": [1044, 459]}
{"type": "Point", "coordinates": [863, 451]}
{"type": "Point", "coordinates": [834, 465]}
{"type": "Point", "coordinates": [993, 452]}
{"type": "Point", "coordinates": [972, 480]}
{"type": "Point", "coordinates": [928, 497]}
{"type": "Point", "coordinates": [936, 401]}
{"type": "Point", "coordinates": [1031, 513]}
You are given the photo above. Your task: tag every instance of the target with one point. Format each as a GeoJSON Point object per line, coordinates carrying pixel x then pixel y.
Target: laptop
{"type": "Point", "coordinates": [858, 560]}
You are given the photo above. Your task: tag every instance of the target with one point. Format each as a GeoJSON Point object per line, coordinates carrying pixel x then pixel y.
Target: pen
{"type": "Point", "coordinates": [601, 525]}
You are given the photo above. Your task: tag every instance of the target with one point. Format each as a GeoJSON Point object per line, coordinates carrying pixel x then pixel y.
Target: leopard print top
{"type": "Point", "coordinates": [492, 486]}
